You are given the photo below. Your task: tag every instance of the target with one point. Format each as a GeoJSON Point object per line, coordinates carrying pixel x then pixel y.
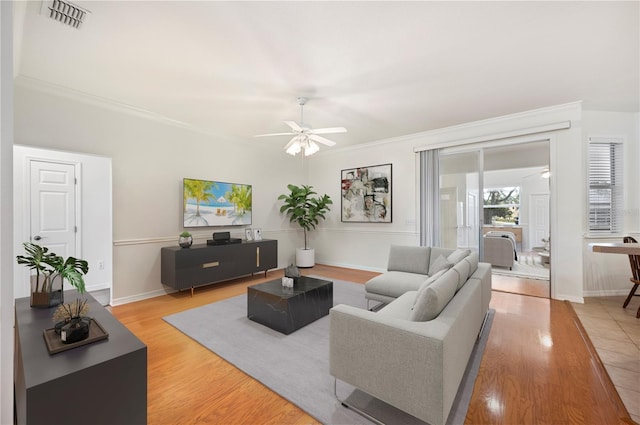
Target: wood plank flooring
{"type": "Point", "coordinates": [536, 369]}
{"type": "Point", "coordinates": [522, 286]}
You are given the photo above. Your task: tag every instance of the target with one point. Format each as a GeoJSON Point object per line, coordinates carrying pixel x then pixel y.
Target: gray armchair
{"type": "Point", "coordinates": [500, 249]}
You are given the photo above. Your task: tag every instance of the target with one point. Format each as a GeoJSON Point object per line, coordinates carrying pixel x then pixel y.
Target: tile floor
{"type": "Point", "coordinates": [615, 333]}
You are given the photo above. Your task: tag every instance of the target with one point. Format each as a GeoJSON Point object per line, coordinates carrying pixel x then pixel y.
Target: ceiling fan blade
{"type": "Point", "coordinates": [274, 134]}
{"type": "Point", "coordinates": [322, 140]}
{"type": "Point", "coordinates": [328, 130]}
{"type": "Point", "coordinates": [294, 125]}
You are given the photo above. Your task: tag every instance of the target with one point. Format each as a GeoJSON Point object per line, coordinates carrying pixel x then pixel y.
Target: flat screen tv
{"type": "Point", "coordinates": [212, 203]}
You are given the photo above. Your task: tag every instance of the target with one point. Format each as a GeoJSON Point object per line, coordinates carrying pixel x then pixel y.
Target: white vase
{"type": "Point", "coordinates": [305, 257]}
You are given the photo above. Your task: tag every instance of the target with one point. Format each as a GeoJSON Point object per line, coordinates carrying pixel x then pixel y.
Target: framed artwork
{"type": "Point", "coordinates": [366, 194]}
{"type": "Point", "coordinates": [257, 234]}
{"type": "Point", "coordinates": [248, 234]}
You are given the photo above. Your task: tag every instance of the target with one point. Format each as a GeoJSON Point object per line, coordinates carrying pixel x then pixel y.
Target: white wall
{"type": "Point", "coordinates": [96, 243]}
{"type": "Point", "coordinates": [608, 274]}
{"type": "Point", "coordinates": [366, 245]}
{"type": "Point", "coordinates": [150, 157]}
{"type": "Point", "coordinates": [6, 213]}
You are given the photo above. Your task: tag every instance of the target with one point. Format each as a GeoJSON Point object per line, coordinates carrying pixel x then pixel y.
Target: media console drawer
{"type": "Point", "coordinates": [185, 268]}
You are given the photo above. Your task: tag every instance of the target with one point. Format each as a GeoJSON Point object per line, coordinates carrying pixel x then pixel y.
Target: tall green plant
{"type": "Point", "coordinates": [303, 208]}
{"type": "Point", "coordinates": [48, 266]}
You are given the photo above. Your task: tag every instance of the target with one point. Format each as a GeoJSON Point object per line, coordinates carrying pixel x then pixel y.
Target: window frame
{"type": "Point", "coordinates": [604, 216]}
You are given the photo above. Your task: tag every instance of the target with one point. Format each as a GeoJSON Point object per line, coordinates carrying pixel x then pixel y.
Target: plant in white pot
{"type": "Point", "coordinates": [304, 208]}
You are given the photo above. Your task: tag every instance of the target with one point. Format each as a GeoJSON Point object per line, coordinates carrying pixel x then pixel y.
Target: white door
{"type": "Point", "coordinates": [539, 214]}
{"type": "Point", "coordinates": [53, 206]}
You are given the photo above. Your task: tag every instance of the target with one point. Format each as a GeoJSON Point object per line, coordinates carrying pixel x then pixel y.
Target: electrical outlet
{"type": "Point", "coordinates": [100, 265]}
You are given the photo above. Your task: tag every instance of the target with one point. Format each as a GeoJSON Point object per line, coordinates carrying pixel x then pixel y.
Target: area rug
{"type": "Point", "coordinates": [296, 366]}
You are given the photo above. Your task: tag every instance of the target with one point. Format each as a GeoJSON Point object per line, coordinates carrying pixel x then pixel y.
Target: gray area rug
{"type": "Point", "coordinates": [296, 366]}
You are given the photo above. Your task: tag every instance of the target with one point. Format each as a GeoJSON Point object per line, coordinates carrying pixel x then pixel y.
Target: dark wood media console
{"type": "Point", "coordinates": [186, 268]}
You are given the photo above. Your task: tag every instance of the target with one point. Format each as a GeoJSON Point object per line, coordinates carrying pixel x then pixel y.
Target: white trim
{"type": "Point", "coordinates": [140, 297]}
{"type": "Point", "coordinates": [606, 292]}
{"type": "Point", "coordinates": [447, 130]}
{"type": "Point", "coordinates": [98, 286]}
{"type": "Point", "coordinates": [79, 96]}
{"type": "Point", "coordinates": [355, 267]}
{"type": "Point", "coordinates": [570, 298]}
{"type": "Point", "coordinates": [501, 139]}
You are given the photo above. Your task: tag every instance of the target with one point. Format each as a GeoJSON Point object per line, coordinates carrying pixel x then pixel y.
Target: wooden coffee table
{"type": "Point", "coordinates": [288, 309]}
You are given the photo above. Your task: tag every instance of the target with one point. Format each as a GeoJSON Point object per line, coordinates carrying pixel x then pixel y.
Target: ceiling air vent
{"type": "Point", "coordinates": [65, 12]}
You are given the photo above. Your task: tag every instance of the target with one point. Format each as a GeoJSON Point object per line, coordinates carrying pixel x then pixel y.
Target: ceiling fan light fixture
{"type": "Point", "coordinates": [294, 149]}
{"type": "Point", "coordinates": [305, 137]}
{"type": "Point", "coordinates": [311, 148]}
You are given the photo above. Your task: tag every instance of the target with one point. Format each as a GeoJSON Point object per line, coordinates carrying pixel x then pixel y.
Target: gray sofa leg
{"type": "Point", "coordinates": [355, 409]}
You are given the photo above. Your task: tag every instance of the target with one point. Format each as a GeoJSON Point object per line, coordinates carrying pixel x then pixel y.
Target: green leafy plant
{"type": "Point", "coordinates": [303, 208]}
{"type": "Point", "coordinates": [48, 266]}
{"type": "Point", "coordinates": [185, 234]}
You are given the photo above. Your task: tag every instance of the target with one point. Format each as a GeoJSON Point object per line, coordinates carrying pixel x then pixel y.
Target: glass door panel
{"type": "Point", "coordinates": [460, 181]}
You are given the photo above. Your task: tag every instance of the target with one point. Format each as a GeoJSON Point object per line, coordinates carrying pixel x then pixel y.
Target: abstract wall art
{"type": "Point", "coordinates": [366, 194]}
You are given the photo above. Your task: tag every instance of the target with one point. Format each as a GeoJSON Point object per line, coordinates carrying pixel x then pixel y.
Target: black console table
{"type": "Point", "coordinates": [104, 382]}
{"type": "Point", "coordinates": [185, 268]}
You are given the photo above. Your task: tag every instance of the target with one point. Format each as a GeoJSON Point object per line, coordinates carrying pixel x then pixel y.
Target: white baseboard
{"type": "Point", "coordinates": [351, 266]}
{"type": "Point", "coordinates": [98, 286]}
{"type": "Point", "coordinates": [140, 297]}
{"type": "Point", "coordinates": [571, 298]}
{"type": "Point", "coordinates": [606, 292]}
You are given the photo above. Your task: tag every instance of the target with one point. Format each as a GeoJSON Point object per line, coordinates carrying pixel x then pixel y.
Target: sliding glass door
{"type": "Point", "coordinates": [460, 199]}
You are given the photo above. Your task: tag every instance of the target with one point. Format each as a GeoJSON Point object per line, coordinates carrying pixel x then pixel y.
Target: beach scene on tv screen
{"type": "Point", "coordinates": [211, 203]}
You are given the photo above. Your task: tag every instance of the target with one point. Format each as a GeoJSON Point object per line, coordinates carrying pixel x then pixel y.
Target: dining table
{"type": "Point", "coordinates": [621, 248]}
{"type": "Point", "coordinates": [616, 248]}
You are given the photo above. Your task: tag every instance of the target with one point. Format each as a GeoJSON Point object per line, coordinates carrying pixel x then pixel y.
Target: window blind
{"type": "Point", "coordinates": [605, 185]}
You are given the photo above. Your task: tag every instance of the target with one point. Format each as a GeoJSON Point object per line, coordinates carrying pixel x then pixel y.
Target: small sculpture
{"type": "Point", "coordinates": [292, 271]}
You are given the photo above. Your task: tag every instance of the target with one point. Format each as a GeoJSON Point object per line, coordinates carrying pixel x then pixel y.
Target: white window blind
{"type": "Point", "coordinates": [605, 185]}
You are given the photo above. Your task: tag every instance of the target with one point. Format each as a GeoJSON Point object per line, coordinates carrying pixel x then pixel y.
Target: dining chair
{"type": "Point", "coordinates": [635, 270]}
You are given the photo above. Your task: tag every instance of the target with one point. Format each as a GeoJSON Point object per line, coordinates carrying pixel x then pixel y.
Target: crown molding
{"type": "Point", "coordinates": [570, 107]}
{"type": "Point", "coordinates": [113, 105]}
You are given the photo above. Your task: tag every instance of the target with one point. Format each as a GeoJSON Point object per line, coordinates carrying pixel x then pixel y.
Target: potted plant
{"type": "Point", "coordinates": [71, 321]}
{"type": "Point", "coordinates": [185, 239]}
{"type": "Point", "coordinates": [303, 208]}
{"type": "Point", "coordinates": [51, 271]}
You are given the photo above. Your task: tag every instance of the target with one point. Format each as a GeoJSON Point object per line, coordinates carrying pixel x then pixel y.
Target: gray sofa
{"type": "Point", "coordinates": [413, 352]}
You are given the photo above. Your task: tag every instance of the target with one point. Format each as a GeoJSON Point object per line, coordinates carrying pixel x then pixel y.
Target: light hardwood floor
{"type": "Point", "coordinates": [537, 367]}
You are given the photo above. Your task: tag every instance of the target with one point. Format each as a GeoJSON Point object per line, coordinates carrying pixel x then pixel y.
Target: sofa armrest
{"type": "Point", "coordinates": [391, 359]}
{"type": "Point", "coordinates": [414, 366]}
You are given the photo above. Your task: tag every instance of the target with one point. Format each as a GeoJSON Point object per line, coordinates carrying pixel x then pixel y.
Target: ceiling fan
{"type": "Point", "coordinates": [304, 137]}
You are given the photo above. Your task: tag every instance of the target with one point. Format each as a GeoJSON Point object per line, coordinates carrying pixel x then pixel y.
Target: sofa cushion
{"type": "Point", "coordinates": [440, 263]}
{"type": "Point", "coordinates": [472, 259]}
{"type": "Point", "coordinates": [410, 259]}
{"type": "Point", "coordinates": [462, 270]}
{"type": "Point", "coordinates": [457, 255]}
{"type": "Point", "coordinates": [435, 298]}
{"type": "Point", "coordinates": [400, 308]}
{"type": "Point", "coordinates": [394, 284]}
{"type": "Point", "coordinates": [425, 284]}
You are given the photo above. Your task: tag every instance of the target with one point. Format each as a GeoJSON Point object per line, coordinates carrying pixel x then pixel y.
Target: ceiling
{"type": "Point", "coordinates": [380, 69]}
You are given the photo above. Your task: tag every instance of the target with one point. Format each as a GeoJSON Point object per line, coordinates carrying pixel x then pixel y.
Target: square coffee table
{"type": "Point", "coordinates": [288, 309]}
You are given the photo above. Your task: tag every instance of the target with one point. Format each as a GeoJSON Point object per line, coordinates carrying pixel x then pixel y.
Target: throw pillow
{"type": "Point", "coordinates": [440, 263]}
{"type": "Point", "coordinates": [425, 284]}
{"type": "Point", "coordinates": [435, 298]}
{"type": "Point", "coordinates": [456, 256]}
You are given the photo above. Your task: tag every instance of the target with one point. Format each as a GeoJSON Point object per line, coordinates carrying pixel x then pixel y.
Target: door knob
{"type": "Point", "coordinates": [36, 238]}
